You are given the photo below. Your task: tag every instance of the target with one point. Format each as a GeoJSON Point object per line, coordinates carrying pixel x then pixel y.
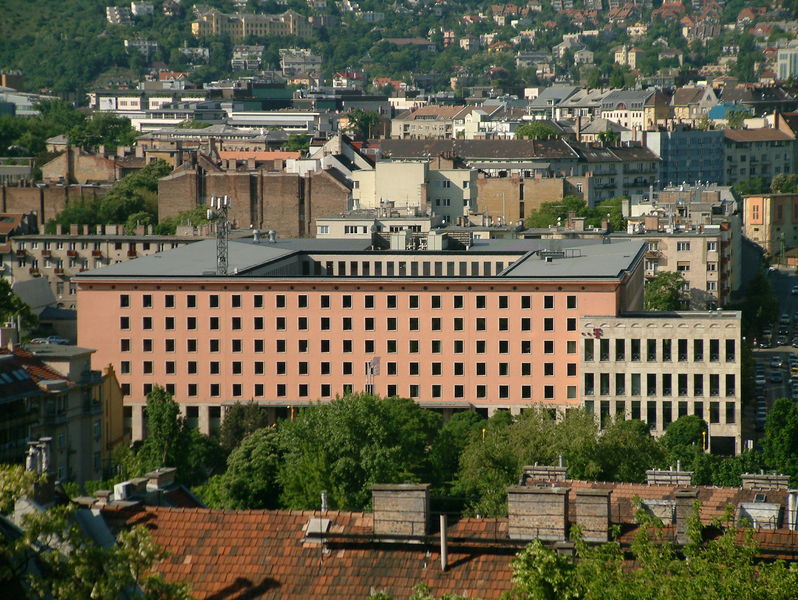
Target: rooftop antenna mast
{"type": "Point", "coordinates": [220, 205]}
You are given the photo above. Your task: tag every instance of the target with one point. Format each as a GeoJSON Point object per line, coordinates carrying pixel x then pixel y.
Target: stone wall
{"type": "Point", "coordinates": [400, 509]}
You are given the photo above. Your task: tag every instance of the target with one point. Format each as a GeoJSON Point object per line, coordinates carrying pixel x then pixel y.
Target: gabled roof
{"type": "Point", "coordinates": [687, 95]}
{"type": "Point", "coordinates": [432, 112]}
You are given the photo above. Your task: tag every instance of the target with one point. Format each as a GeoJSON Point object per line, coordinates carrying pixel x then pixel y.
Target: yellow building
{"type": "Point", "coordinates": [241, 25]}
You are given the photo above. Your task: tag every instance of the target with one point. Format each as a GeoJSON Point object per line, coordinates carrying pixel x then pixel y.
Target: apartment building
{"type": "Point", "coordinates": [770, 221]}
{"type": "Point", "coordinates": [761, 153]}
{"type": "Point", "coordinates": [628, 372]}
{"type": "Point", "coordinates": [51, 391]}
{"type": "Point", "coordinates": [59, 257]}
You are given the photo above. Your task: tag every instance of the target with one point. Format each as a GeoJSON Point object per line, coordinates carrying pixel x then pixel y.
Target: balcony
{"type": "Point", "coordinates": [20, 253]}
{"type": "Point", "coordinates": [59, 270]}
{"type": "Point", "coordinates": [653, 253]}
{"type": "Point", "coordinates": [131, 254]}
{"type": "Point", "coordinates": [72, 252]}
{"type": "Point", "coordinates": [47, 253]}
{"type": "Point", "coordinates": [96, 253]}
{"type": "Point", "coordinates": [34, 271]}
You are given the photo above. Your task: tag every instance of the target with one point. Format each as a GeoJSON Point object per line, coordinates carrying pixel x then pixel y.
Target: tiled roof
{"type": "Point", "coordinates": [756, 135]}
{"type": "Point", "coordinates": [687, 95]}
{"type": "Point", "coordinates": [37, 370]}
{"type": "Point", "coordinates": [261, 554]}
{"type": "Point", "coordinates": [479, 149]}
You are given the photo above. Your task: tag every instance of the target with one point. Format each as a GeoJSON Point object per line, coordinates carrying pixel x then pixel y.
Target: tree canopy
{"type": "Point", "coordinates": [665, 291]}
{"type": "Point", "coordinates": [537, 130]}
{"type": "Point", "coordinates": [552, 213]}
{"type": "Point", "coordinates": [12, 307]}
{"type": "Point", "coordinates": [345, 446]}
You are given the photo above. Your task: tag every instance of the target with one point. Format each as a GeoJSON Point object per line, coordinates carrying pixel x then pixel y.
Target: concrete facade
{"type": "Point", "coordinates": [659, 367]}
{"type": "Point", "coordinates": [770, 220]}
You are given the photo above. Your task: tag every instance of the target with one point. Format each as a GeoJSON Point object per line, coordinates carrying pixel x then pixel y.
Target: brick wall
{"type": "Point", "coordinates": [283, 202]}
{"type": "Point", "coordinates": [537, 513]}
{"type": "Point", "coordinates": [238, 187]}
{"type": "Point", "coordinates": [400, 509]}
{"type": "Point", "coordinates": [328, 197]}
{"type": "Point", "coordinates": [177, 193]}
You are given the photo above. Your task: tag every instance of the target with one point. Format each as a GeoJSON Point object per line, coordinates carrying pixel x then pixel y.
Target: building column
{"type": "Point", "coordinates": [204, 422]}
{"type": "Point", "coordinates": [137, 425]}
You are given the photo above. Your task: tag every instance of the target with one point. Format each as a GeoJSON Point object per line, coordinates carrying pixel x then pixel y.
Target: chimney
{"type": "Point", "coordinates": [669, 477]}
{"type": "Point", "coordinates": [103, 496]}
{"type": "Point", "coordinates": [160, 478]}
{"type": "Point", "coordinates": [579, 128]}
{"type": "Point", "coordinates": [85, 230]}
{"type": "Point", "coordinates": [73, 229]}
{"type": "Point", "coordinates": [544, 472]}
{"type": "Point", "coordinates": [763, 482]}
{"type": "Point", "coordinates": [59, 229]}
{"type": "Point", "coordinates": [684, 501]}
{"type": "Point", "coordinates": [400, 508]}
{"type": "Point", "coordinates": [535, 512]}
{"type": "Point", "coordinates": [593, 514]}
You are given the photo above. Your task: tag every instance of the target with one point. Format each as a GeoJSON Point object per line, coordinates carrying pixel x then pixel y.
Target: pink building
{"type": "Point", "coordinates": [297, 321]}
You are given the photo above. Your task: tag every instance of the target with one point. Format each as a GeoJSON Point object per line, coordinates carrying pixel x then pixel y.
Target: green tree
{"type": "Point", "coordinates": [297, 142]}
{"type": "Point", "coordinates": [735, 119]}
{"type": "Point", "coordinates": [240, 420]}
{"type": "Point", "coordinates": [550, 212]}
{"type": "Point", "coordinates": [780, 443]}
{"type": "Point", "coordinates": [664, 292]}
{"type": "Point", "coordinates": [755, 185]}
{"type": "Point", "coordinates": [684, 440]}
{"type": "Point", "coordinates": [349, 444]}
{"type": "Point", "coordinates": [12, 307]}
{"type": "Point", "coordinates": [363, 123]}
{"type": "Point", "coordinates": [170, 442]}
{"type": "Point", "coordinates": [627, 450]}
{"type": "Point", "coordinates": [536, 130]}
{"type": "Point", "coordinates": [609, 137]}
{"type": "Point", "coordinates": [102, 129]}
{"type": "Point", "coordinates": [450, 442]}
{"type": "Point", "coordinates": [250, 481]}
{"type": "Point", "coordinates": [784, 184]}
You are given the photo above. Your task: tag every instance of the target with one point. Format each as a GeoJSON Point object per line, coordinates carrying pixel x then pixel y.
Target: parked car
{"type": "Point", "coordinates": [795, 290]}
{"type": "Point", "coordinates": [760, 380]}
{"type": "Point", "coordinates": [776, 362]}
{"type": "Point", "coordinates": [776, 377]}
{"type": "Point", "coordinates": [781, 340]}
{"type": "Point", "coordinates": [38, 341]}
{"type": "Point", "coordinates": [55, 339]}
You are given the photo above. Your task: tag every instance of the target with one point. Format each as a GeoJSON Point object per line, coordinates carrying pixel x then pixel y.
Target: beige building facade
{"type": "Point", "coordinates": [658, 367]}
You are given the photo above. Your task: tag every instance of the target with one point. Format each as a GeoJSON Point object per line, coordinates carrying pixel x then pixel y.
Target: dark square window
{"type": "Point", "coordinates": [280, 345]}
{"type": "Point", "coordinates": [436, 302]}
{"type": "Point", "coordinates": [368, 346]}
{"type": "Point", "coordinates": [214, 367]}
{"type": "Point", "coordinates": [280, 368]}
{"type": "Point", "coordinates": [570, 301]}
{"type": "Point", "coordinates": [191, 367]}
{"type": "Point", "coordinates": [346, 368]}
{"type": "Point", "coordinates": [548, 392]}
{"type": "Point", "coordinates": [413, 368]}
{"type": "Point", "coordinates": [368, 301]}
{"type": "Point", "coordinates": [413, 346]}
{"type": "Point", "coordinates": [279, 301]}
{"type": "Point", "coordinates": [237, 367]}
{"type": "Point", "coordinates": [548, 324]}
{"type": "Point", "coordinates": [347, 346]}
{"type": "Point", "coordinates": [303, 368]}
{"type": "Point", "coordinates": [124, 300]}
{"type": "Point", "coordinates": [169, 345]}
{"type": "Point", "coordinates": [369, 324]}
{"type": "Point", "coordinates": [347, 323]}
{"type": "Point", "coordinates": [235, 300]}
{"type": "Point", "coordinates": [481, 368]}
{"type": "Point", "coordinates": [258, 389]}
{"type": "Point", "coordinates": [391, 368]}
{"type": "Point", "coordinates": [303, 390]}
{"type": "Point", "coordinates": [481, 303]}
{"type": "Point", "coordinates": [146, 323]}
{"type": "Point", "coordinates": [236, 389]}
{"type": "Point", "coordinates": [548, 368]}
{"type": "Point", "coordinates": [548, 346]}
{"type": "Point", "coordinates": [213, 345]}
{"type": "Point", "coordinates": [302, 323]}
{"type": "Point", "coordinates": [302, 301]}
{"type": "Point", "coordinates": [257, 323]}
{"type": "Point", "coordinates": [146, 301]}
{"type": "Point", "coordinates": [481, 323]}
{"type": "Point", "coordinates": [280, 323]}
{"type": "Point", "coordinates": [192, 389]}
{"type": "Point", "coordinates": [146, 367]}
{"type": "Point", "coordinates": [325, 390]}
{"type": "Point", "coordinates": [504, 391]}
{"type": "Point", "coordinates": [324, 368]}
{"type": "Point", "coordinates": [280, 389]}
{"type": "Point", "coordinates": [391, 324]}
{"type": "Point", "coordinates": [526, 369]}
{"type": "Point", "coordinates": [482, 391]}
{"type": "Point", "coordinates": [346, 301]}
{"type": "Point", "coordinates": [504, 347]}
{"type": "Point", "coordinates": [526, 301]}
{"type": "Point", "coordinates": [236, 345]}
{"type": "Point", "coordinates": [436, 368]}
{"type": "Point", "coordinates": [214, 323]}
{"type": "Point", "coordinates": [191, 301]}
{"type": "Point", "coordinates": [436, 324]}
{"type": "Point", "coordinates": [214, 301]}
{"type": "Point", "coordinates": [259, 346]}
{"type": "Point", "coordinates": [191, 345]}
{"type": "Point", "coordinates": [325, 345]}
{"type": "Point", "coordinates": [258, 367]}
{"type": "Point", "coordinates": [325, 301]}
{"type": "Point", "coordinates": [526, 324]}
{"type": "Point", "coordinates": [236, 323]}
{"type": "Point", "coordinates": [391, 301]}
{"type": "Point", "coordinates": [191, 322]}
{"type": "Point", "coordinates": [215, 389]}
{"type": "Point", "coordinates": [504, 301]}
{"type": "Point", "coordinates": [146, 345]}
{"type": "Point", "coordinates": [526, 391]}
{"type": "Point", "coordinates": [413, 301]}
{"type": "Point", "coordinates": [257, 301]}
{"type": "Point", "coordinates": [459, 368]}
{"type": "Point", "coordinates": [457, 301]}
{"type": "Point", "coordinates": [458, 323]}
{"type": "Point", "coordinates": [548, 301]}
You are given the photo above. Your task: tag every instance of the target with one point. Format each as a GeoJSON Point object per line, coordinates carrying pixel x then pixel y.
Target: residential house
{"type": "Point", "coordinates": [247, 58]}
{"type": "Point", "coordinates": [686, 155]}
{"type": "Point", "coordinates": [118, 15]}
{"type": "Point", "coordinates": [141, 9]}
{"type": "Point", "coordinates": [787, 63]}
{"type": "Point", "coordinates": [689, 104]}
{"type": "Point", "coordinates": [432, 121]}
{"type": "Point", "coordinates": [583, 56]}
{"type": "Point", "coordinates": [626, 56]}
{"type": "Point", "coordinates": [546, 103]}
{"type": "Point", "coordinates": [299, 60]}
{"type": "Point", "coordinates": [636, 109]}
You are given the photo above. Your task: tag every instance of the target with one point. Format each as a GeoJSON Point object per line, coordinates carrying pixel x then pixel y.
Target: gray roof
{"type": "Point", "coordinates": [580, 259]}
{"type": "Point", "coordinates": [594, 260]}
{"type": "Point", "coordinates": [553, 94]}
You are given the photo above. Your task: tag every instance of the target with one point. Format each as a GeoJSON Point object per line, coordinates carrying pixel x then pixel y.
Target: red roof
{"type": "Point", "coordinates": [261, 554]}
